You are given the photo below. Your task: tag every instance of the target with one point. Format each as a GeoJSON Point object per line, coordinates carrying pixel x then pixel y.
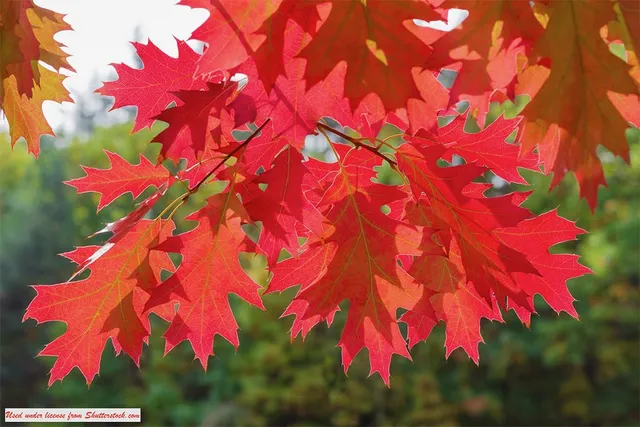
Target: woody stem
{"type": "Point", "coordinates": [227, 157]}
{"type": "Point", "coordinates": [357, 143]}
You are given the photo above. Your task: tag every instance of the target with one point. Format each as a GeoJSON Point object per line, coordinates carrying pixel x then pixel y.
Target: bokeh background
{"type": "Point", "coordinates": [559, 372]}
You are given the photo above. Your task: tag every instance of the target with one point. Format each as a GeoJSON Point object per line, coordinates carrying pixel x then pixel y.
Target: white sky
{"type": "Point", "coordinates": [102, 31]}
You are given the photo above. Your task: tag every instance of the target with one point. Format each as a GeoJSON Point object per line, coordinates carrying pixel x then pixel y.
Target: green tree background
{"type": "Point", "coordinates": [560, 372]}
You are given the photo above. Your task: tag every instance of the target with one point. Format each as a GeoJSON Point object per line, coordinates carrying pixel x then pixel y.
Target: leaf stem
{"type": "Point", "coordinates": [357, 143]}
{"type": "Point", "coordinates": [180, 200]}
{"type": "Point", "coordinates": [227, 157]}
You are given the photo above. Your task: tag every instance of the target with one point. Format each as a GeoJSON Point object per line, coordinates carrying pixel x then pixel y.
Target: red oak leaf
{"type": "Point", "coordinates": [270, 57]}
{"type": "Point", "coordinates": [229, 30]}
{"type": "Point", "coordinates": [447, 201]}
{"type": "Point", "coordinates": [210, 270]}
{"type": "Point", "coordinates": [486, 148]}
{"type": "Point", "coordinates": [121, 177]}
{"type": "Point", "coordinates": [303, 270]}
{"type": "Point", "coordinates": [485, 46]}
{"type": "Point", "coordinates": [362, 269]}
{"type": "Point", "coordinates": [196, 121]}
{"type": "Point", "coordinates": [106, 305]}
{"type": "Point", "coordinates": [423, 113]}
{"type": "Point", "coordinates": [571, 112]}
{"type": "Point", "coordinates": [294, 106]}
{"type": "Point", "coordinates": [261, 152]}
{"type": "Point", "coordinates": [534, 237]}
{"type": "Point", "coordinates": [286, 204]}
{"type": "Point", "coordinates": [374, 45]}
{"type": "Point", "coordinates": [152, 88]}
{"type": "Point", "coordinates": [449, 296]}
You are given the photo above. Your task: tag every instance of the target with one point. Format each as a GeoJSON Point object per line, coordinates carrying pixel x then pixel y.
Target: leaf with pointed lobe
{"type": "Point", "coordinates": [374, 46]}
{"type": "Point", "coordinates": [27, 35]}
{"type": "Point", "coordinates": [196, 121]}
{"type": "Point", "coordinates": [534, 237]}
{"type": "Point", "coordinates": [269, 57]}
{"type": "Point", "coordinates": [486, 148]}
{"type": "Point", "coordinates": [282, 205]}
{"type": "Point", "coordinates": [449, 296]}
{"type": "Point", "coordinates": [262, 150]}
{"type": "Point", "coordinates": [485, 46]}
{"type": "Point", "coordinates": [571, 113]}
{"type": "Point", "coordinates": [153, 87]}
{"type": "Point", "coordinates": [24, 113]}
{"type": "Point", "coordinates": [296, 106]}
{"type": "Point", "coordinates": [293, 105]}
{"type": "Point", "coordinates": [118, 229]}
{"type": "Point", "coordinates": [622, 30]}
{"type": "Point", "coordinates": [362, 269]}
{"type": "Point", "coordinates": [302, 270]}
{"type": "Point", "coordinates": [230, 31]}
{"type": "Point", "coordinates": [27, 38]}
{"type": "Point", "coordinates": [199, 165]}
{"type": "Point", "coordinates": [25, 116]}
{"type": "Point", "coordinates": [210, 270]}
{"type": "Point", "coordinates": [422, 113]}
{"type": "Point", "coordinates": [121, 177]}
{"type": "Point", "coordinates": [105, 306]}
{"type": "Point", "coordinates": [444, 202]}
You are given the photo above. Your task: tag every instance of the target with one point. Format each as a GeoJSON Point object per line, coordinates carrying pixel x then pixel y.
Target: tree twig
{"type": "Point", "coordinates": [358, 144]}
{"type": "Point", "coordinates": [227, 157]}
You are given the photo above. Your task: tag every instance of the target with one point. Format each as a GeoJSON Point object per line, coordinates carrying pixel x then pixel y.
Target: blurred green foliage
{"type": "Point", "coordinates": [561, 372]}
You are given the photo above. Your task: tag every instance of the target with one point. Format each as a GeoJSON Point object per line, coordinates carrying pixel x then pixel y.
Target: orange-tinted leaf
{"type": "Point", "coordinates": [572, 113]}
{"type": "Point", "coordinates": [485, 45]}
{"type": "Point", "coordinates": [106, 305]}
{"type": "Point", "coordinates": [26, 37]}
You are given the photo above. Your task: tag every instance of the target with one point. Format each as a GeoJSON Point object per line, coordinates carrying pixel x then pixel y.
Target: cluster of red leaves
{"type": "Point", "coordinates": [435, 247]}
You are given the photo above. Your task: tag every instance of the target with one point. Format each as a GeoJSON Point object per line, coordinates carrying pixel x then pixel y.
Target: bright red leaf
{"type": "Point", "coordinates": [106, 305]}
{"type": "Point", "coordinates": [210, 270]}
{"type": "Point", "coordinates": [153, 87]}
{"type": "Point", "coordinates": [121, 177]}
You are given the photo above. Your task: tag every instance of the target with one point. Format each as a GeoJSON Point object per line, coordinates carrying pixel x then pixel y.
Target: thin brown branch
{"type": "Point", "coordinates": [358, 144]}
{"type": "Point", "coordinates": [227, 157]}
